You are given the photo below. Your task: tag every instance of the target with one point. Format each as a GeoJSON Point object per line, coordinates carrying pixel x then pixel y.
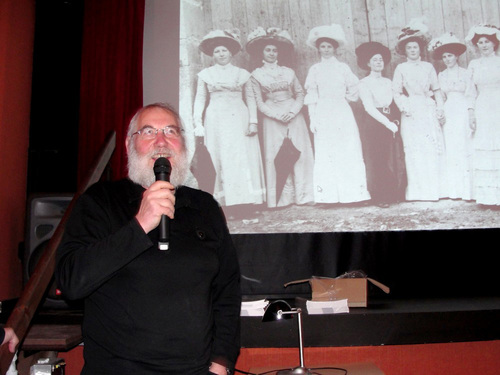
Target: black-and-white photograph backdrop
{"type": "Point", "coordinates": [326, 116]}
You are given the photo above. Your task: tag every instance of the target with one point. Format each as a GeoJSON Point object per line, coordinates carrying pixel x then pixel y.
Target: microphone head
{"type": "Point", "coordinates": [162, 168]}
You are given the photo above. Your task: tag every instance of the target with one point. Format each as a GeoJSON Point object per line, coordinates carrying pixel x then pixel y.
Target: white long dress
{"type": "Point", "coordinates": [422, 135]}
{"type": "Point", "coordinates": [236, 156]}
{"type": "Point", "coordinates": [457, 133]}
{"type": "Point", "coordinates": [486, 160]}
{"type": "Point", "coordinates": [339, 169]}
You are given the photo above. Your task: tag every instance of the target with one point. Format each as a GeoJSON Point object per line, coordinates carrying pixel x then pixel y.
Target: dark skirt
{"type": "Point", "coordinates": [384, 158]}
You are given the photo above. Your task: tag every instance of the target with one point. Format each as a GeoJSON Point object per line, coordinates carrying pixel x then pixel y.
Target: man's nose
{"type": "Point", "coordinates": [161, 138]}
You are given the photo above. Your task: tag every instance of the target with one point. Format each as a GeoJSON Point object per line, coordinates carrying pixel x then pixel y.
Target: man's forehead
{"type": "Point", "coordinates": [156, 116]}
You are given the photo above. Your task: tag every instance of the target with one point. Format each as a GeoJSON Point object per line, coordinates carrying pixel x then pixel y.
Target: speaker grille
{"type": "Point", "coordinates": [43, 230]}
{"type": "Point", "coordinates": [43, 216]}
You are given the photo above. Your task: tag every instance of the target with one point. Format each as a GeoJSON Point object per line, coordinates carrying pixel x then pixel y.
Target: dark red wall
{"type": "Point", "coordinates": [17, 22]}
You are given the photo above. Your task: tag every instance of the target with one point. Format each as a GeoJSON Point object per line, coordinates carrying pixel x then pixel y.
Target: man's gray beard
{"type": "Point", "coordinates": [140, 172]}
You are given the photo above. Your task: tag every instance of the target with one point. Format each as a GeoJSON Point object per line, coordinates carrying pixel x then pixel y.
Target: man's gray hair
{"type": "Point", "coordinates": [132, 127]}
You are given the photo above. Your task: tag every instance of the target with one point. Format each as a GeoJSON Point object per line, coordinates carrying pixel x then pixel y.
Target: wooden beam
{"type": "Point", "coordinates": [21, 316]}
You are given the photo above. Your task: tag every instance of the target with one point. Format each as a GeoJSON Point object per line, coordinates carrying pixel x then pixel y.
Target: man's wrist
{"type": "Point", "coordinates": [217, 368]}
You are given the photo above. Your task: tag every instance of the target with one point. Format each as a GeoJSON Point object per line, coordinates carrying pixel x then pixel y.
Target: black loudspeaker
{"type": "Point", "coordinates": [44, 212]}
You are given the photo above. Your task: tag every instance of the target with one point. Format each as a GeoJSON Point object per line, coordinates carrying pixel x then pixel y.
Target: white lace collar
{"type": "Point", "coordinates": [329, 60]}
{"type": "Point", "coordinates": [268, 65]}
{"type": "Point", "coordinates": [416, 62]}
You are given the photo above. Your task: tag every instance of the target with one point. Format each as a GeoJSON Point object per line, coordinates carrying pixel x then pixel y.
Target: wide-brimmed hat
{"type": "Point", "coordinates": [227, 38]}
{"type": "Point", "coordinates": [415, 31]}
{"type": "Point", "coordinates": [482, 29]}
{"type": "Point", "coordinates": [447, 42]}
{"type": "Point", "coordinates": [259, 38]}
{"type": "Point", "coordinates": [333, 31]}
{"type": "Point", "coordinates": [367, 50]}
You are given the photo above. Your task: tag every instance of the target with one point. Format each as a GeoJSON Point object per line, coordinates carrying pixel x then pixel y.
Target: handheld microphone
{"type": "Point", "coordinates": [162, 169]}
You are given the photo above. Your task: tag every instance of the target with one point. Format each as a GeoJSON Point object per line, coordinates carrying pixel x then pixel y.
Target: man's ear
{"type": "Point", "coordinates": [127, 143]}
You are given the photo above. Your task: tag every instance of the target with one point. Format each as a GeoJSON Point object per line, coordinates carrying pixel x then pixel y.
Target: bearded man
{"type": "Point", "coordinates": [149, 311]}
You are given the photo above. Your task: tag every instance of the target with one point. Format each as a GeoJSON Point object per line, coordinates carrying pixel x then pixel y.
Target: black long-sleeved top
{"type": "Point", "coordinates": [149, 311]}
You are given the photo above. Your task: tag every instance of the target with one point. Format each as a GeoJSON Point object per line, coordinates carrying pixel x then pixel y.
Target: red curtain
{"type": "Point", "coordinates": [111, 78]}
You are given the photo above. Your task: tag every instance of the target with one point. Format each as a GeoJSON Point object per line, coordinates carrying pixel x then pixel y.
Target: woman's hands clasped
{"type": "Point", "coordinates": [440, 116]}
{"type": "Point", "coordinates": [286, 117]}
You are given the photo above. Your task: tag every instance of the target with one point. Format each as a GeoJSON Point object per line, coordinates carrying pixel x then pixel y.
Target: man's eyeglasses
{"type": "Point", "coordinates": [170, 131]}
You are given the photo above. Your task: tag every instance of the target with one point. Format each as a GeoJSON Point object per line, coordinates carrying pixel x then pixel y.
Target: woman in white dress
{"type": "Point", "coordinates": [280, 98]}
{"type": "Point", "coordinates": [417, 94]}
{"type": "Point", "coordinates": [457, 131]}
{"type": "Point", "coordinates": [339, 168]}
{"type": "Point", "coordinates": [485, 112]}
{"type": "Point", "coordinates": [229, 125]}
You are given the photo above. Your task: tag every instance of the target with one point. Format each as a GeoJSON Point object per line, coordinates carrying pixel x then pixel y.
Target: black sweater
{"type": "Point", "coordinates": [149, 311]}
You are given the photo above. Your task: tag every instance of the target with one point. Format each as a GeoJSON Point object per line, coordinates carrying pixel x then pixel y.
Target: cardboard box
{"type": "Point", "coordinates": [355, 290]}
